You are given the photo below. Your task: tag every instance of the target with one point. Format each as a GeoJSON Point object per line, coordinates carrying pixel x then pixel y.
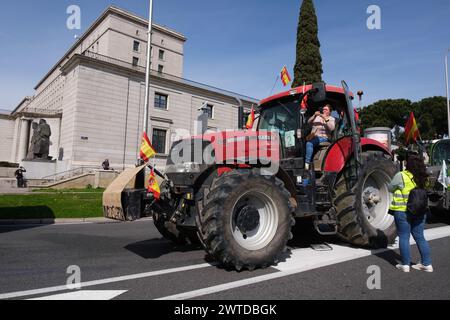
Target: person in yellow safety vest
{"type": "Point", "coordinates": [401, 185]}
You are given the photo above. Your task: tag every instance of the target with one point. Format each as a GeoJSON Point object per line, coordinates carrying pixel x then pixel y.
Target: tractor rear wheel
{"type": "Point", "coordinates": [362, 210]}
{"type": "Point", "coordinates": [246, 219]}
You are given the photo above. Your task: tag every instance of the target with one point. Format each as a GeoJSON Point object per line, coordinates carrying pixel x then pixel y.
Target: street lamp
{"type": "Point", "coordinates": [446, 88]}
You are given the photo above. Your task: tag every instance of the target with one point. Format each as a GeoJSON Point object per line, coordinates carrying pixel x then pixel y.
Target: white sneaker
{"type": "Point", "coordinates": [421, 267]}
{"type": "Point", "coordinates": [306, 166]}
{"type": "Point", "coordinates": [404, 268]}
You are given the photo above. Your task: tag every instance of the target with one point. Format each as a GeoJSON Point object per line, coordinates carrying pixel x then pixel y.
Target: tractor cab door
{"type": "Point", "coordinates": [350, 115]}
{"type": "Point", "coordinates": [282, 116]}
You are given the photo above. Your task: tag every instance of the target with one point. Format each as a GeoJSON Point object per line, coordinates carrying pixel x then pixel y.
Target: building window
{"type": "Point", "coordinates": [160, 68]}
{"type": "Point", "coordinates": [135, 61]}
{"type": "Point", "coordinates": [210, 111]}
{"type": "Point", "coordinates": [161, 55]}
{"type": "Point", "coordinates": [136, 46]}
{"type": "Point", "coordinates": [159, 140]}
{"type": "Point", "coordinates": [161, 101]}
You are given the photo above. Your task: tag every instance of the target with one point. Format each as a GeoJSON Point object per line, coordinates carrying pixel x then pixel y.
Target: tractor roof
{"type": "Point", "coordinates": [299, 90]}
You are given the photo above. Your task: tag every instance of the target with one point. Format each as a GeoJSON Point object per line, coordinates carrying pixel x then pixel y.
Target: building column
{"type": "Point", "coordinates": [24, 139]}
{"type": "Point", "coordinates": [15, 142]}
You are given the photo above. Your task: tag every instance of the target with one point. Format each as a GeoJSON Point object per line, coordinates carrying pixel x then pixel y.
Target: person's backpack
{"type": "Point", "coordinates": [417, 201]}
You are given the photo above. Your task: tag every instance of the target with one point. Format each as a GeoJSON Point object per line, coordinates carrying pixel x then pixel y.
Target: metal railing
{"type": "Point", "coordinates": [70, 173]}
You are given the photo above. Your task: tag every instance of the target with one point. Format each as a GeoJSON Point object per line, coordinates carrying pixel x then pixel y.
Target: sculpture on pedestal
{"type": "Point", "coordinates": [40, 141]}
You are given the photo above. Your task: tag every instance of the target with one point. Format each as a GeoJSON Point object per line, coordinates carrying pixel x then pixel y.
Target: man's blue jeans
{"type": "Point", "coordinates": [408, 224]}
{"type": "Point", "coordinates": [310, 145]}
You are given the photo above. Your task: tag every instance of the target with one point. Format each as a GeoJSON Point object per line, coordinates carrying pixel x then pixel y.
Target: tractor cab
{"type": "Point", "coordinates": [288, 114]}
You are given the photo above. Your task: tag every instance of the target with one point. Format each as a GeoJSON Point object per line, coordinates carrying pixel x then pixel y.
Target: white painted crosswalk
{"type": "Point", "coordinates": [300, 260]}
{"type": "Point", "coordinates": [84, 295]}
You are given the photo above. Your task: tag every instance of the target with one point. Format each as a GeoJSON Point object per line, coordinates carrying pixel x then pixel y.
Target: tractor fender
{"type": "Point", "coordinates": [342, 150]}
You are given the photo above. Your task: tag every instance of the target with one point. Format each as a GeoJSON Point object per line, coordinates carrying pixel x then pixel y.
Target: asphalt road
{"type": "Point", "coordinates": [38, 257]}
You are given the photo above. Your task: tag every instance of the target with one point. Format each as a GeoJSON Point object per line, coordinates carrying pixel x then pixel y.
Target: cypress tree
{"type": "Point", "coordinates": [308, 66]}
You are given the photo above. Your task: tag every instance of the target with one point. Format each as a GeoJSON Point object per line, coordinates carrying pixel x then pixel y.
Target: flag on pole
{"type": "Point", "coordinates": [285, 77]}
{"type": "Point", "coordinates": [147, 150]}
{"type": "Point", "coordinates": [411, 129]}
{"type": "Point", "coordinates": [356, 115]}
{"type": "Point", "coordinates": [304, 104]}
{"type": "Point", "coordinates": [153, 186]}
{"type": "Point", "coordinates": [251, 119]}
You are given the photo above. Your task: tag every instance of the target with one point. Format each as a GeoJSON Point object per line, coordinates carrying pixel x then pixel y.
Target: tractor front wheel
{"type": "Point", "coordinates": [362, 207]}
{"type": "Point", "coordinates": [246, 219]}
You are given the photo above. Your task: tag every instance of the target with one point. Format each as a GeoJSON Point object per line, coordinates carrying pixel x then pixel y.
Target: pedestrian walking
{"type": "Point", "coordinates": [402, 185]}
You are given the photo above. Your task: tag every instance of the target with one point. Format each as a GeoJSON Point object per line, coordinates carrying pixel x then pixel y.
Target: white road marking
{"type": "Point", "coordinates": [85, 295]}
{"type": "Point", "coordinates": [301, 260]}
{"type": "Point", "coordinates": [304, 260]}
{"type": "Point", "coordinates": [308, 257]}
{"type": "Point", "coordinates": [103, 281]}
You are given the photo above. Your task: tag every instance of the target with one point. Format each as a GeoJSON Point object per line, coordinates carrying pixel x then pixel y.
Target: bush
{"type": "Point", "coordinates": [5, 164]}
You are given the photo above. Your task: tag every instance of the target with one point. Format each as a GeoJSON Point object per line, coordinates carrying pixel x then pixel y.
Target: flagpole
{"type": "Point", "coordinates": [148, 65]}
{"type": "Point", "coordinates": [446, 88]}
{"type": "Point", "coordinates": [276, 80]}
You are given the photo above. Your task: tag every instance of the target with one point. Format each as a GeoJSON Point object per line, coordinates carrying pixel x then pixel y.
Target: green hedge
{"type": "Point", "coordinates": [51, 205]}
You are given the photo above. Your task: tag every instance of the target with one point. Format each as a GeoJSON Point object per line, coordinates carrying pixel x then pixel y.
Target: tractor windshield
{"type": "Point", "coordinates": [440, 152]}
{"type": "Point", "coordinates": [282, 117]}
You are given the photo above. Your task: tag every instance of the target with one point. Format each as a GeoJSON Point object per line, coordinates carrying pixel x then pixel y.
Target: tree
{"type": "Point", "coordinates": [308, 66]}
{"type": "Point", "coordinates": [386, 113]}
{"type": "Point", "coordinates": [430, 114]}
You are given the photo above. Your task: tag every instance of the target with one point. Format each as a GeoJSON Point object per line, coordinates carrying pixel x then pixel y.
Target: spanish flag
{"type": "Point", "coordinates": [153, 186]}
{"type": "Point", "coordinates": [411, 129]}
{"type": "Point", "coordinates": [304, 104]}
{"type": "Point", "coordinates": [285, 77]}
{"type": "Point", "coordinates": [251, 119]}
{"type": "Point", "coordinates": [147, 150]}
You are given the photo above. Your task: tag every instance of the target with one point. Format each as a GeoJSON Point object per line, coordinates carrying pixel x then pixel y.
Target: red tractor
{"type": "Point", "coordinates": [239, 193]}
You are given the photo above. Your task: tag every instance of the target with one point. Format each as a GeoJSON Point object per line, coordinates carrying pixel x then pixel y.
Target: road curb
{"type": "Point", "coordinates": [49, 221]}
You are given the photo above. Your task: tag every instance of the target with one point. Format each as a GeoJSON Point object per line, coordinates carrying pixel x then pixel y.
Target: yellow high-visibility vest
{"type": "Point", "coordinates": [400, 197]}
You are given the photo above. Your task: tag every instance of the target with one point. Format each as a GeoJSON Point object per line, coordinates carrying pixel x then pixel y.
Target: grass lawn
{"type": "Point", "coordinates": [52, 204]}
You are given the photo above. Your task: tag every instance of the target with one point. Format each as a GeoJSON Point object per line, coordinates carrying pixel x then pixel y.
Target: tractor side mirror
{"type": "Point", "coordinates": [319, 92]}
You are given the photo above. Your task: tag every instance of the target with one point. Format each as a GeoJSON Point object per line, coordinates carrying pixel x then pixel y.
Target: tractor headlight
{"type": "Point", "coordinates": [190, 167]}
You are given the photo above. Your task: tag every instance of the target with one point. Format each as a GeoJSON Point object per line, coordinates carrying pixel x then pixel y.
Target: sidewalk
{"type": "Point", "coordinates": [5, 190]}
{"type": "Point", "coordinates": [100, 220]}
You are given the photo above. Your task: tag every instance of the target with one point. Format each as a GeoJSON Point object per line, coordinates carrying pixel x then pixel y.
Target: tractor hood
{"type": "Point", "coordinates": [231, 148]}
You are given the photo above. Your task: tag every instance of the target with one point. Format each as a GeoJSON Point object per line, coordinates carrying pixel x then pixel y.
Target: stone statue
{"type": "Point", "coordinates": [30, 154]}
{"type": "Point", "coordinates": [40, 142]}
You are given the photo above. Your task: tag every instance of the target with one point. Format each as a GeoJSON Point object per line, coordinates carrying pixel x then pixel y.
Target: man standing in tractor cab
{"type": "Point", "coordinates": [323, 125]}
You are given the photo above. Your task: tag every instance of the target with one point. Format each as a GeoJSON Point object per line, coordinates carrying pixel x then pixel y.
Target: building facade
{"type": "Point", "coordinates": [93, 98]}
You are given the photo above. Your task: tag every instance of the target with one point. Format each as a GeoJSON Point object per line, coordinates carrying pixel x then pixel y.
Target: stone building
{"type": "Point", "coordinates": [93, 98]}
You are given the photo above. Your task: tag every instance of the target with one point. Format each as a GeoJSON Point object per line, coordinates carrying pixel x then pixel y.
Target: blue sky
{"type": "Point", "coordinates": [242, 45]}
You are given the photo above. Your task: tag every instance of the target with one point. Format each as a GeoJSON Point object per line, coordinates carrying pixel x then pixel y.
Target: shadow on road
{"type": "Point", "coordinates": [305, 235]}
{"type": "Point", "coordinates": [27, 212]}
{"type": "Point", "coordinates": [33, 214]}
{"type": "Point", "coordinates": [155, 248]}
{"type": "Point", "coordinates": [18, 227]}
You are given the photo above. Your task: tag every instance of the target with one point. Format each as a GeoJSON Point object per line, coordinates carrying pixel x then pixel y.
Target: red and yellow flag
{"type": "Point", "coordinates": [285, 77]}
{"type": "Point", "coordinates": [411, 129]}
{"type": "Point", "coordinates": [304, 104]}
{"type": "Point", "coordinates": [251, 119]}
{"type": "Point", "coordinates": [147, 150]}
{"type": "Point", "coordinates": [153, 186]}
